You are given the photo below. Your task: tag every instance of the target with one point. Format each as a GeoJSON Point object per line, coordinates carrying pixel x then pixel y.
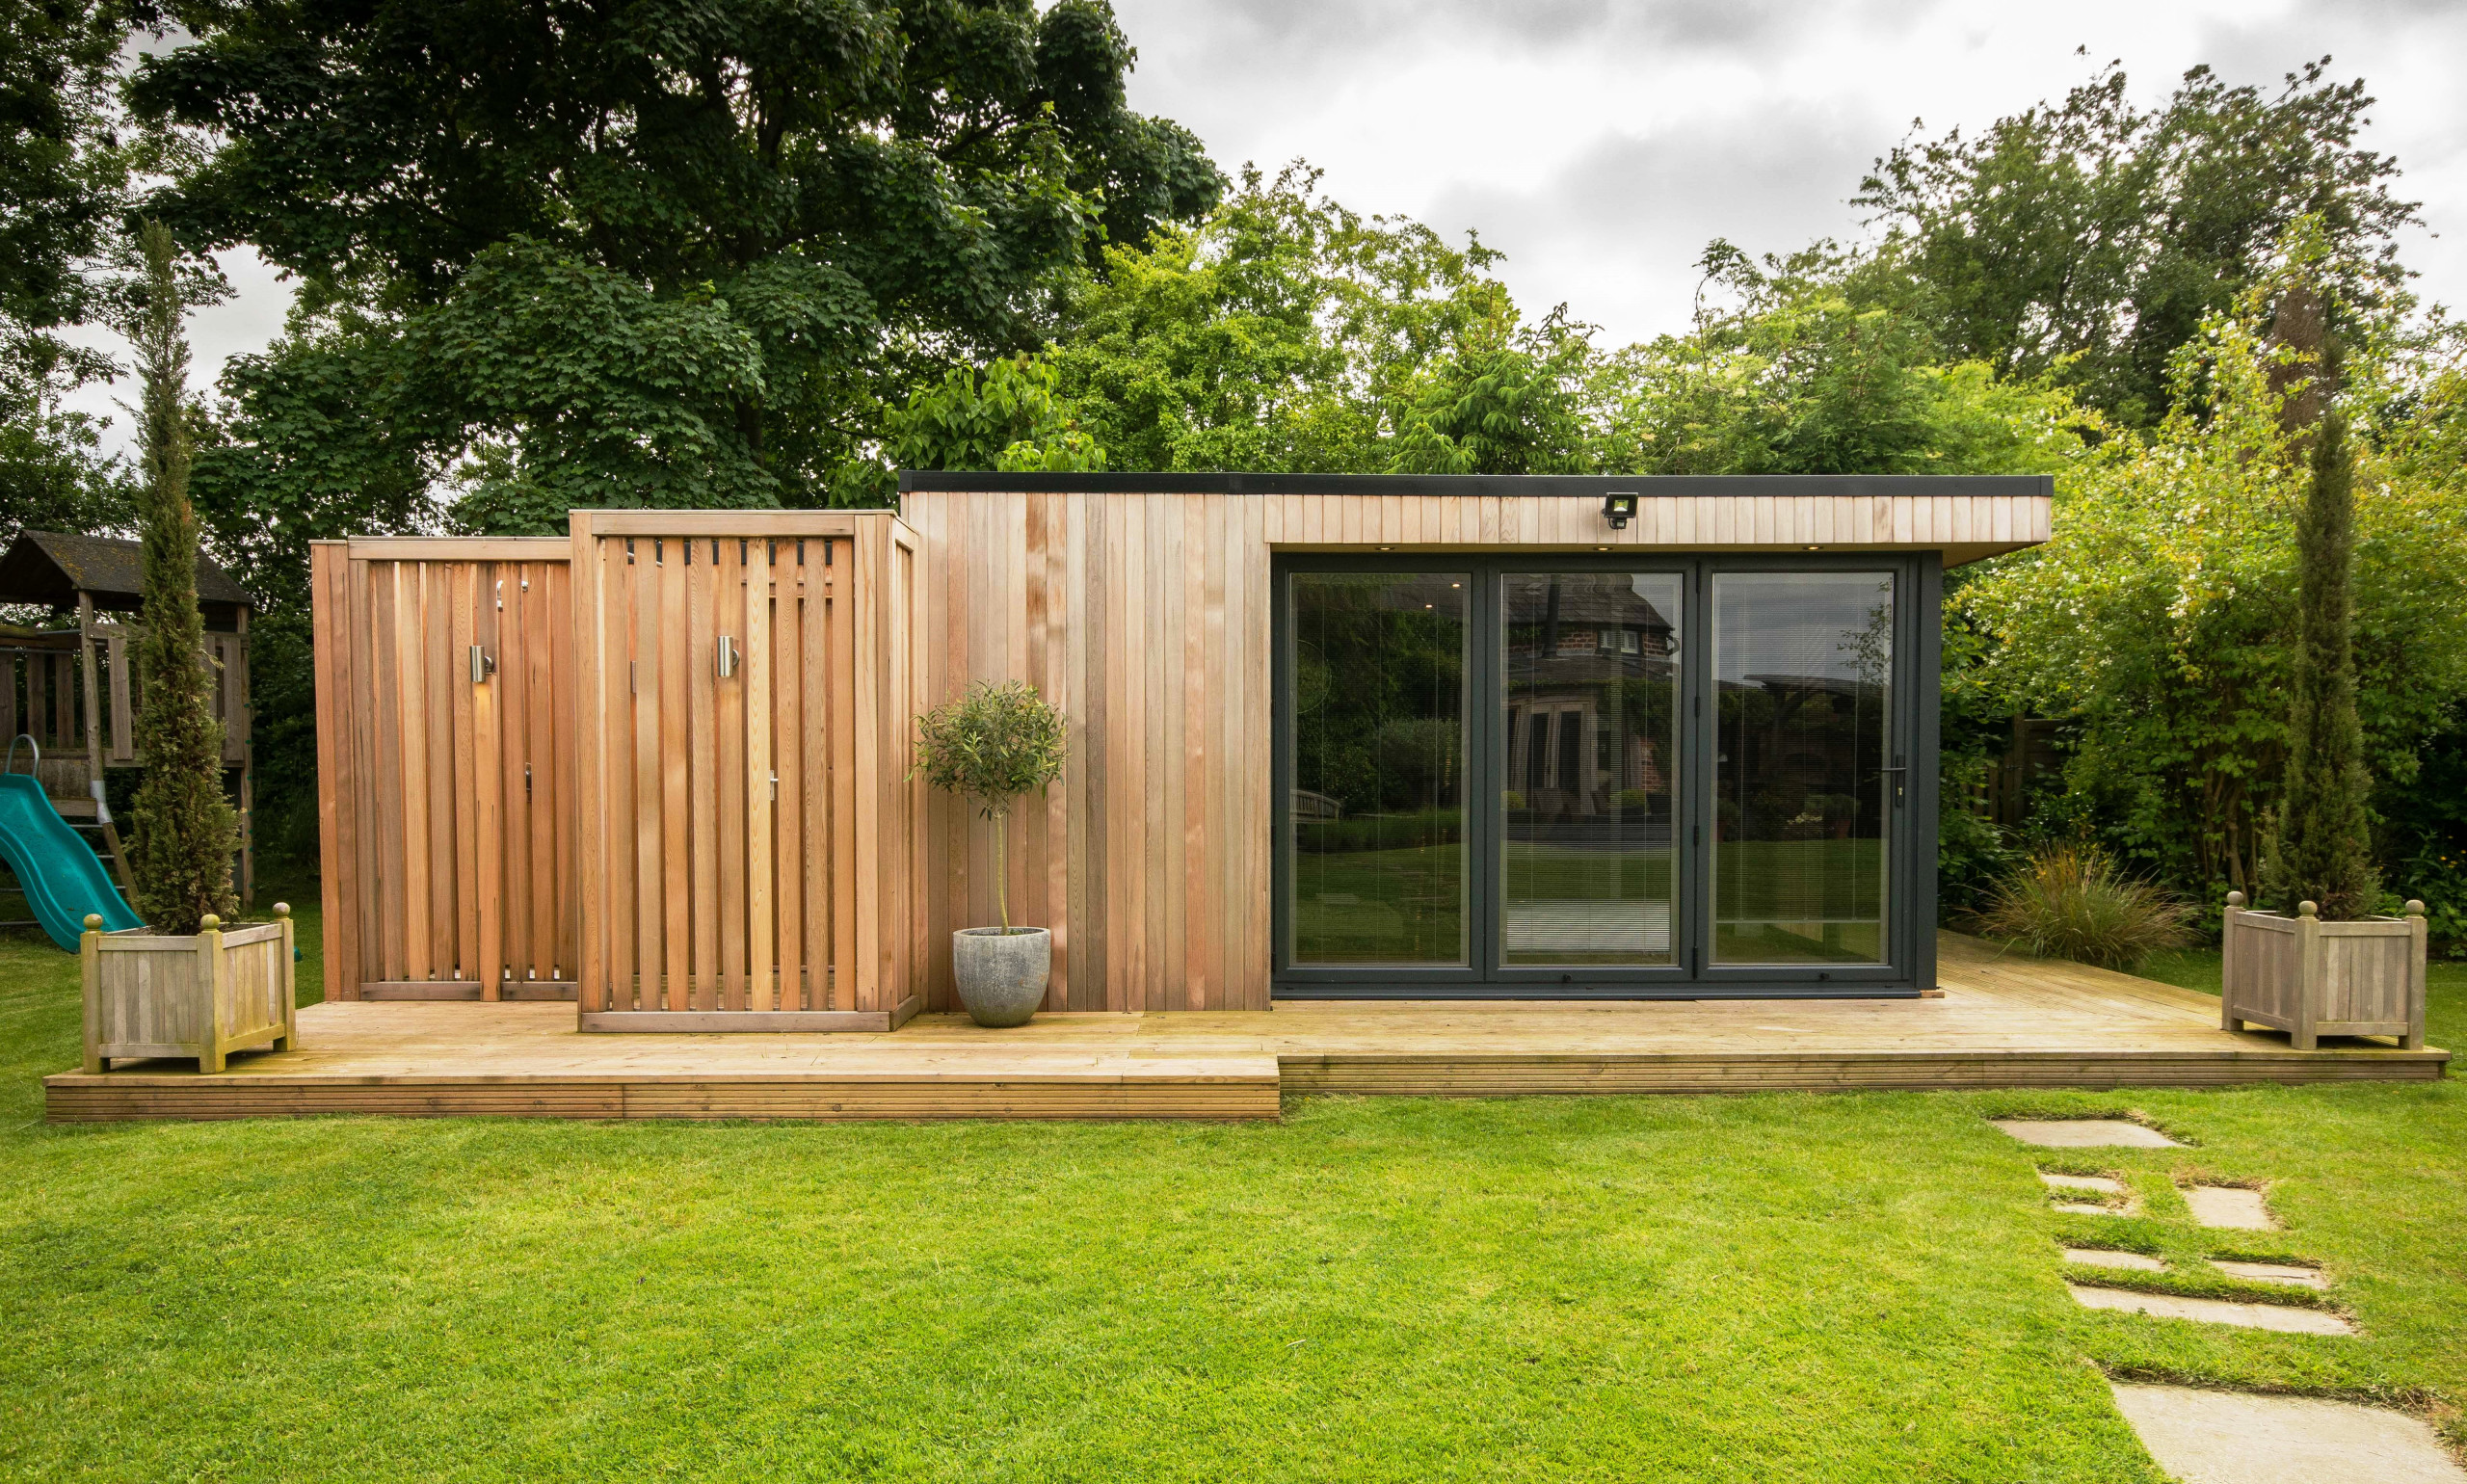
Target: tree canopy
{"type": "Point", "coordinates": [2091, 238]}
{"type": "Point", "coordinates": [64, 168]}
{"type": "Point", "coordinates": [660, 253]}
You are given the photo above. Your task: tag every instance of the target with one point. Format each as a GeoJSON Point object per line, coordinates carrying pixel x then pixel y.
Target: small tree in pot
{"type": "Point", "coordinates": [187, 830]}
{"type": "Point", "coordinates": [186, 984]}
{"type": "Point", "coordinates": [989, 746]}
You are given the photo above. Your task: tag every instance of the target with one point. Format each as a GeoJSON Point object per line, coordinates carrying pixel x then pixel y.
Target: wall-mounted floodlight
{"type": "Point", "coordinates": [728, 656]}
{"type": "Point", "coordinates": [483, 665]}
{"type": "Point", "coordinates": [1619, 508]}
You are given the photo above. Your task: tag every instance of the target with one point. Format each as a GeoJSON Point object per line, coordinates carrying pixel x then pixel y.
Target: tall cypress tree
{"type": "Point", "coordinates": [187, 832]}
{"type": "Point", "coordinates": [2320, 849]}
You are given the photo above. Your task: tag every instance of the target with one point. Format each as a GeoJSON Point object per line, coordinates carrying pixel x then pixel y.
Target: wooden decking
{"type": "Point", "coordinates": [2003, 1022]}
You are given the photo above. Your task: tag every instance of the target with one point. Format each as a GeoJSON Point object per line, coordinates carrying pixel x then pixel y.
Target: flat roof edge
{"type": "Point", "coordinates": [1491, 485]}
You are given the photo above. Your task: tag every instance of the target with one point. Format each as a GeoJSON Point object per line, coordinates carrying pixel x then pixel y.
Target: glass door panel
{"type": "Point", "coordinates": [1804, 751]}
{"type": "Point", "coordinates": [1380, 710]}
{"type": "Point", "coordinates": [1590, 705]}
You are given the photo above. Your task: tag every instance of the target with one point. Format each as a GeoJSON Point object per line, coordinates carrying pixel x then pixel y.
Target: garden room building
{"type": "Point", "coordinates": [1331, 736]}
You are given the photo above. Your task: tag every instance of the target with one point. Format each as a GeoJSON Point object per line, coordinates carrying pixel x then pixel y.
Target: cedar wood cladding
{"type": "Point", "coordinates": [1145, 615]}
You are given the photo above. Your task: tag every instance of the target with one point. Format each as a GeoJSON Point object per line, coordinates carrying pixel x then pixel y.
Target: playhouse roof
{"type": "Point", "coordinates": [54, 567]}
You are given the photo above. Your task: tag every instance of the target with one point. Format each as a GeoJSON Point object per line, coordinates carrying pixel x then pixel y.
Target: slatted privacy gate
{"type": "Point", "coordinates": [445, 706]}
{"type": "Point", "coordinates": [747, 822]}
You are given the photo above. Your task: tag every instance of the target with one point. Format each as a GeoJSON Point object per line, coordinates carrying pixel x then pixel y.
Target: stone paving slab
{"type": "Point", "coordinates": [2280, 1318]}
{"type": "Point", "coordinates": [2225, 1438]}
{"type": "Point", "coordinates": [2100, 1257]}
{"type": "Point", "coordinates": [2084, 1132]}
{"type": "Point", "coordinates": [2272, 1272]}
{"type": "Point", "coordinates": [2090, 1184]}
{"type": "Point", "coordinates": [2230, 1206]}
{"type": "Point", "coordinates": [2098, 1183]}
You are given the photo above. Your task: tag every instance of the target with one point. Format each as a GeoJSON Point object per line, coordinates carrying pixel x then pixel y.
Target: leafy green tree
{"type": "Point", "coordinates": [1279, 333]}
{"type": "Point", "coordinates": [2089, 239]}
{"type": "Point", "coordinates": [1802, 370]}
{"type": "Point", "coordinates": [187, 832]}
{"type": "Point", "coordinates": [63, 175]}
{"type": "Point", "coordinates": [1503, 400]}
{"type": "Point", "coordinates": [1008, 417]}
{"type": "Point", "coordinates": [665, 252]}
{"type": "Point", "coordinates": [2160, 623]}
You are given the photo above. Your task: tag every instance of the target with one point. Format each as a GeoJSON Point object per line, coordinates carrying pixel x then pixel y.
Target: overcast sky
{"type": "Point", "coordinates": [1602, 145]}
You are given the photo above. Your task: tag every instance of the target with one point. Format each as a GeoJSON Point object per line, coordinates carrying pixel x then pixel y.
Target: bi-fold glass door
{"type": "Point", "coordinates": [1573, 777]}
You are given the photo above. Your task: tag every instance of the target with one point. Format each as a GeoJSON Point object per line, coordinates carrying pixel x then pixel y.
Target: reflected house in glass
{"type": "Point", "coordinates": [1449, 737]}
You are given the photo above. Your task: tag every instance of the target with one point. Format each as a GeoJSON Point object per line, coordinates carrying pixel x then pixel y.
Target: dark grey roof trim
{"type": "Point", "coordinates": [1588, 485]}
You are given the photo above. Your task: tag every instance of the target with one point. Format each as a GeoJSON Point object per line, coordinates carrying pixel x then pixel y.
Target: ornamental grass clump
{"type": "Point", "coordinates": [187, 830]}
{"type": "Point", "coordinates": [989, 746]}
{"type": "Point", "coordinates": [2072, 901]}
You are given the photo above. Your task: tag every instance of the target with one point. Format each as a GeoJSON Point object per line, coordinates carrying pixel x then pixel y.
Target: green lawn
{"type": "Point", "coordinates": [1773, 1288]}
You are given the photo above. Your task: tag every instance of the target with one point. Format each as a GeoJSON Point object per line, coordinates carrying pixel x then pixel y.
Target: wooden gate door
{"type": "Point", "coordinates": [746, 812]}
{"type": "Point", "coordinates": [444, 719]}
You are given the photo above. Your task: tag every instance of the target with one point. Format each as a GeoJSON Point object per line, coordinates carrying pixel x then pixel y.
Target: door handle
{"type": "Point", "coordinates": [1899, 787]}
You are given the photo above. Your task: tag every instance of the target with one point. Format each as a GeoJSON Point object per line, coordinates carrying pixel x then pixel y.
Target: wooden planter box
{"type": "Point", "coordinates": [2311, 978]}
{"type": "Point", "coordinates": [205, 995]}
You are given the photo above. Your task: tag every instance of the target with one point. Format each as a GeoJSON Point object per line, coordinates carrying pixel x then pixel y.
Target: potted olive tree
{"type": "Point", "coordinates": [182, 986]}
{"type": "Point", "coordinates": [2323, 962]}
{"type": "Point", "coordinates": [989, 746]}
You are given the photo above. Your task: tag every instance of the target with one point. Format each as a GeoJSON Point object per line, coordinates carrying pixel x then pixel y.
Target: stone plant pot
{"type": "Point", "coordinates": [1001, 975]}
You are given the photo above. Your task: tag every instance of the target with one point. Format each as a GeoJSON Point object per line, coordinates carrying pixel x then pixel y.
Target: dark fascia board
{"type": "Point", "coordinates": [1559, 486]}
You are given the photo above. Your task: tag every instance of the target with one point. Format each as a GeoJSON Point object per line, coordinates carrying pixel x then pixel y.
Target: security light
{"type": "Point", "coordinates": [1619, 507]}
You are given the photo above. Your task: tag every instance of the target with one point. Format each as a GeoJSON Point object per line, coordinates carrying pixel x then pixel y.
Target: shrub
{"type": "Point", "coordinates": [989, 746]}
{"type": "Point", "coordinates": [2072, 901]}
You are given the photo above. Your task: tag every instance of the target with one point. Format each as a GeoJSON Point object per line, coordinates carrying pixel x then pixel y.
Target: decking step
{"type": "Point", "coordinates": [1030, 1086]}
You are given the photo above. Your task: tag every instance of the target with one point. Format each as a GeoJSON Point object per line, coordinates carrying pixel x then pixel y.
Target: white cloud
{"type": "Point", "coordinates": [1602, 146]}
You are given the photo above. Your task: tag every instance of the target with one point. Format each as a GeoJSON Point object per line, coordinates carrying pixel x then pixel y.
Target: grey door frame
{"type": "Point", "coordinates": [1911, 874]}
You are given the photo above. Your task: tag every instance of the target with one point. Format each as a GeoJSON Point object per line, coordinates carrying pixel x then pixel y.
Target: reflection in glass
{"type": "Point", "coordinates": [1802, 791]}
{"type": "Point", "coordinates": [1378, 808]}
{"type": "Point", "coordinates": [1588, 672]}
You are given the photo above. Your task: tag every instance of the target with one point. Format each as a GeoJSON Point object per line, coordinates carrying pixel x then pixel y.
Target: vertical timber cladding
{"type": "Point", "coordinates": [445, 806]}
{"type": "Point", "coordinates": [747, 816]}
{"type": "Point", "coordinates": [1146, 616]}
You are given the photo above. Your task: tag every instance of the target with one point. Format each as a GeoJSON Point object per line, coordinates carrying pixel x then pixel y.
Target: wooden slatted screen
{"type": "Point", "coordinates": [445, 806]}
{"type": "Point", "coordinates": [747, 835]}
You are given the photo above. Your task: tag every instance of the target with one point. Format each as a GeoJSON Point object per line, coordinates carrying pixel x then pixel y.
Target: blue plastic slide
{"type": "Point", "coordinates": [63, 878]}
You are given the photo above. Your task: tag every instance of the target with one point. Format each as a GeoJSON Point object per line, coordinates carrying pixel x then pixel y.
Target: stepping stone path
{"type": "Point", "coordinates": [2272, 1272]}
{"type": "Point", "coordinates": [2084, 1132]}
{"type": "Point", "coordinates": [2224, 1438]}
{"type": "Point", "coordinates": [2093, 1184]}
{"type": "Point", "coordinates": [2281, 1317]}
{"type": "Point", "coordinates": [2100, 1256]}
{"type": "Point", "coordinates": [2229, 1205]}
{"type": "Point", "coordinates": [2205, 1437]}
